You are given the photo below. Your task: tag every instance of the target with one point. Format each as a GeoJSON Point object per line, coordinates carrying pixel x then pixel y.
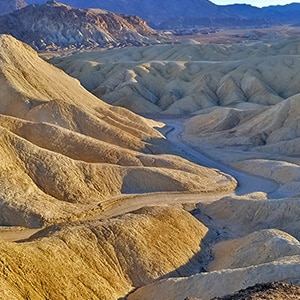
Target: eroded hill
{"type": "Point", "coordinates": [65, 151]}
{"type": "Point", "coordinates": [241, 107]}
{"type": "Point", "coordinates": [175, 79]}
{"type": "Point", "coordinates": [241, 100]}
{"type": "Point", "coordinates": [102, 259]}
{"type": "Point", "coordinates": [65, 154]}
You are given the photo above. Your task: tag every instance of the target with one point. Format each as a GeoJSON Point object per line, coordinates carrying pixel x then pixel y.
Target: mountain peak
{"type": "Point", "coordinates": [53, 3]}
{"type": "Point", "coordinates": [54, 25]}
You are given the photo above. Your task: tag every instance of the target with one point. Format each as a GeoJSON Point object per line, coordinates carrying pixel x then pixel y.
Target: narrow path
{"type": "Point", "coordinates": [247, 183]}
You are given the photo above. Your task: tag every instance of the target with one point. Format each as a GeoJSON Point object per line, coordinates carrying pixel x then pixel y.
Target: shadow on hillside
{"type": "Point", "coordinates": [195, 265]}
{"type": "Point", "coordinates": [158, 146]}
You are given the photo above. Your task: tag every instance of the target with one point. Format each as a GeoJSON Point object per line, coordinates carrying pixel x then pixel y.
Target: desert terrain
{"type": "Point", "coordinates": [234, 107]}
{"type": "Point", "coordinates": [161, 172]}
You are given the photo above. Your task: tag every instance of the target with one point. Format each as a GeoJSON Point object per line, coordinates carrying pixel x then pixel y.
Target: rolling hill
{"type": "Point", "coordinates": [175, 79]}
{"type": "Point", "coordinates": [66, 156]}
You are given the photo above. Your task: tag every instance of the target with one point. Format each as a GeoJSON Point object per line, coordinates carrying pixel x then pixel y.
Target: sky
{"type": "Point", "coordinates": [258, 3]}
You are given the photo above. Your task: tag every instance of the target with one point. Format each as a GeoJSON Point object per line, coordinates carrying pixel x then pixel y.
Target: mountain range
{"type": "Point", "coordinates": [163, 14]}
{"type": "Point", "coordinates": [76, 25]}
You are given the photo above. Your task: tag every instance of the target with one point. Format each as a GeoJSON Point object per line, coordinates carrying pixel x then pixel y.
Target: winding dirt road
{"type": "Point", "coordinates": [246, 184]}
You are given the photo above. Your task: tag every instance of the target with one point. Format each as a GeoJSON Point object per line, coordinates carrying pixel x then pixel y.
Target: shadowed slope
{"type": "Point", "coordinates": [8, 6]}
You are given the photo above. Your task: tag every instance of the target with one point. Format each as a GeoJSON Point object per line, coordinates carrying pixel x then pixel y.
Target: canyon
{"type": "Point", "coordinates": [164, 171]}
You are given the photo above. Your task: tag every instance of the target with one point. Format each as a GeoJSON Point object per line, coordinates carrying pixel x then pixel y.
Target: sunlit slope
{"type": "Point", "coordinates": [185, 78]}
{"type": "Point", "coordinates": [63, 151]}
{"type": "Point", "coordinates": [102, 259]}
{"type": "Point", "coordinates": [267, 249]}
{"type": "Point", "coordinates": [220, 283]}
{"type": "Point", "coordinates": [272, 129]}
{"type": "Point", "coordinates": [264, 141]}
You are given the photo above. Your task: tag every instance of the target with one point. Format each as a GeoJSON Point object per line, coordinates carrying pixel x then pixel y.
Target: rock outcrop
{"type": "Point", "coordinates": [55, 26]}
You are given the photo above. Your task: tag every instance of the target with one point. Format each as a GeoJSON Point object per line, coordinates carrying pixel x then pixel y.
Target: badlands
{"type": "Point", "coordinates": [98, 202]}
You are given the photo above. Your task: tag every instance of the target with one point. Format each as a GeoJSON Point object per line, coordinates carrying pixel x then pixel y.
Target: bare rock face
{"type": "Point", "coordinates": [55, 26]}
{"type": "Point", "coordinates": [7, 6]}
{"type": "Point", "coordinates": [271, 290]}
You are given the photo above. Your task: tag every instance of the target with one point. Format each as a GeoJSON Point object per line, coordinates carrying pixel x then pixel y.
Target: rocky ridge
{"type": "Point", "coordinates": [55, 26]}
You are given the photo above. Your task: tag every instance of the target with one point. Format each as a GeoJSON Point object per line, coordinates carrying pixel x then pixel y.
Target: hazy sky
{"type": "Point", "coordinates": [259, 3]}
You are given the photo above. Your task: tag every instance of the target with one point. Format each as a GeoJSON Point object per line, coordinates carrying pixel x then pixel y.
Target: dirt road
{"type": "Point", "coordinates": [246, 184]}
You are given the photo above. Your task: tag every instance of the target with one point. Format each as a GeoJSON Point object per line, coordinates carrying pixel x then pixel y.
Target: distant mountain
{"type": "Point", "coordinates": [289, 14]}
{"type": "Point", "coordinates": [164, 14]}
{"type": "Point", "coordinates": [55, 26]}
{"type": "Point", "coordinates": [177, 14]}
{"type": "Point", "coordinates": [7, 6]}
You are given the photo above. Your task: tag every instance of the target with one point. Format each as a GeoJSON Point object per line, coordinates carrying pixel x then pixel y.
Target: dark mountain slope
{"type": "Point", "coordinates": [178, 14]}
{"type": "Point", "coordinates": [7, 6]}
{"type": "Point", "coordinates": [289, 14]}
